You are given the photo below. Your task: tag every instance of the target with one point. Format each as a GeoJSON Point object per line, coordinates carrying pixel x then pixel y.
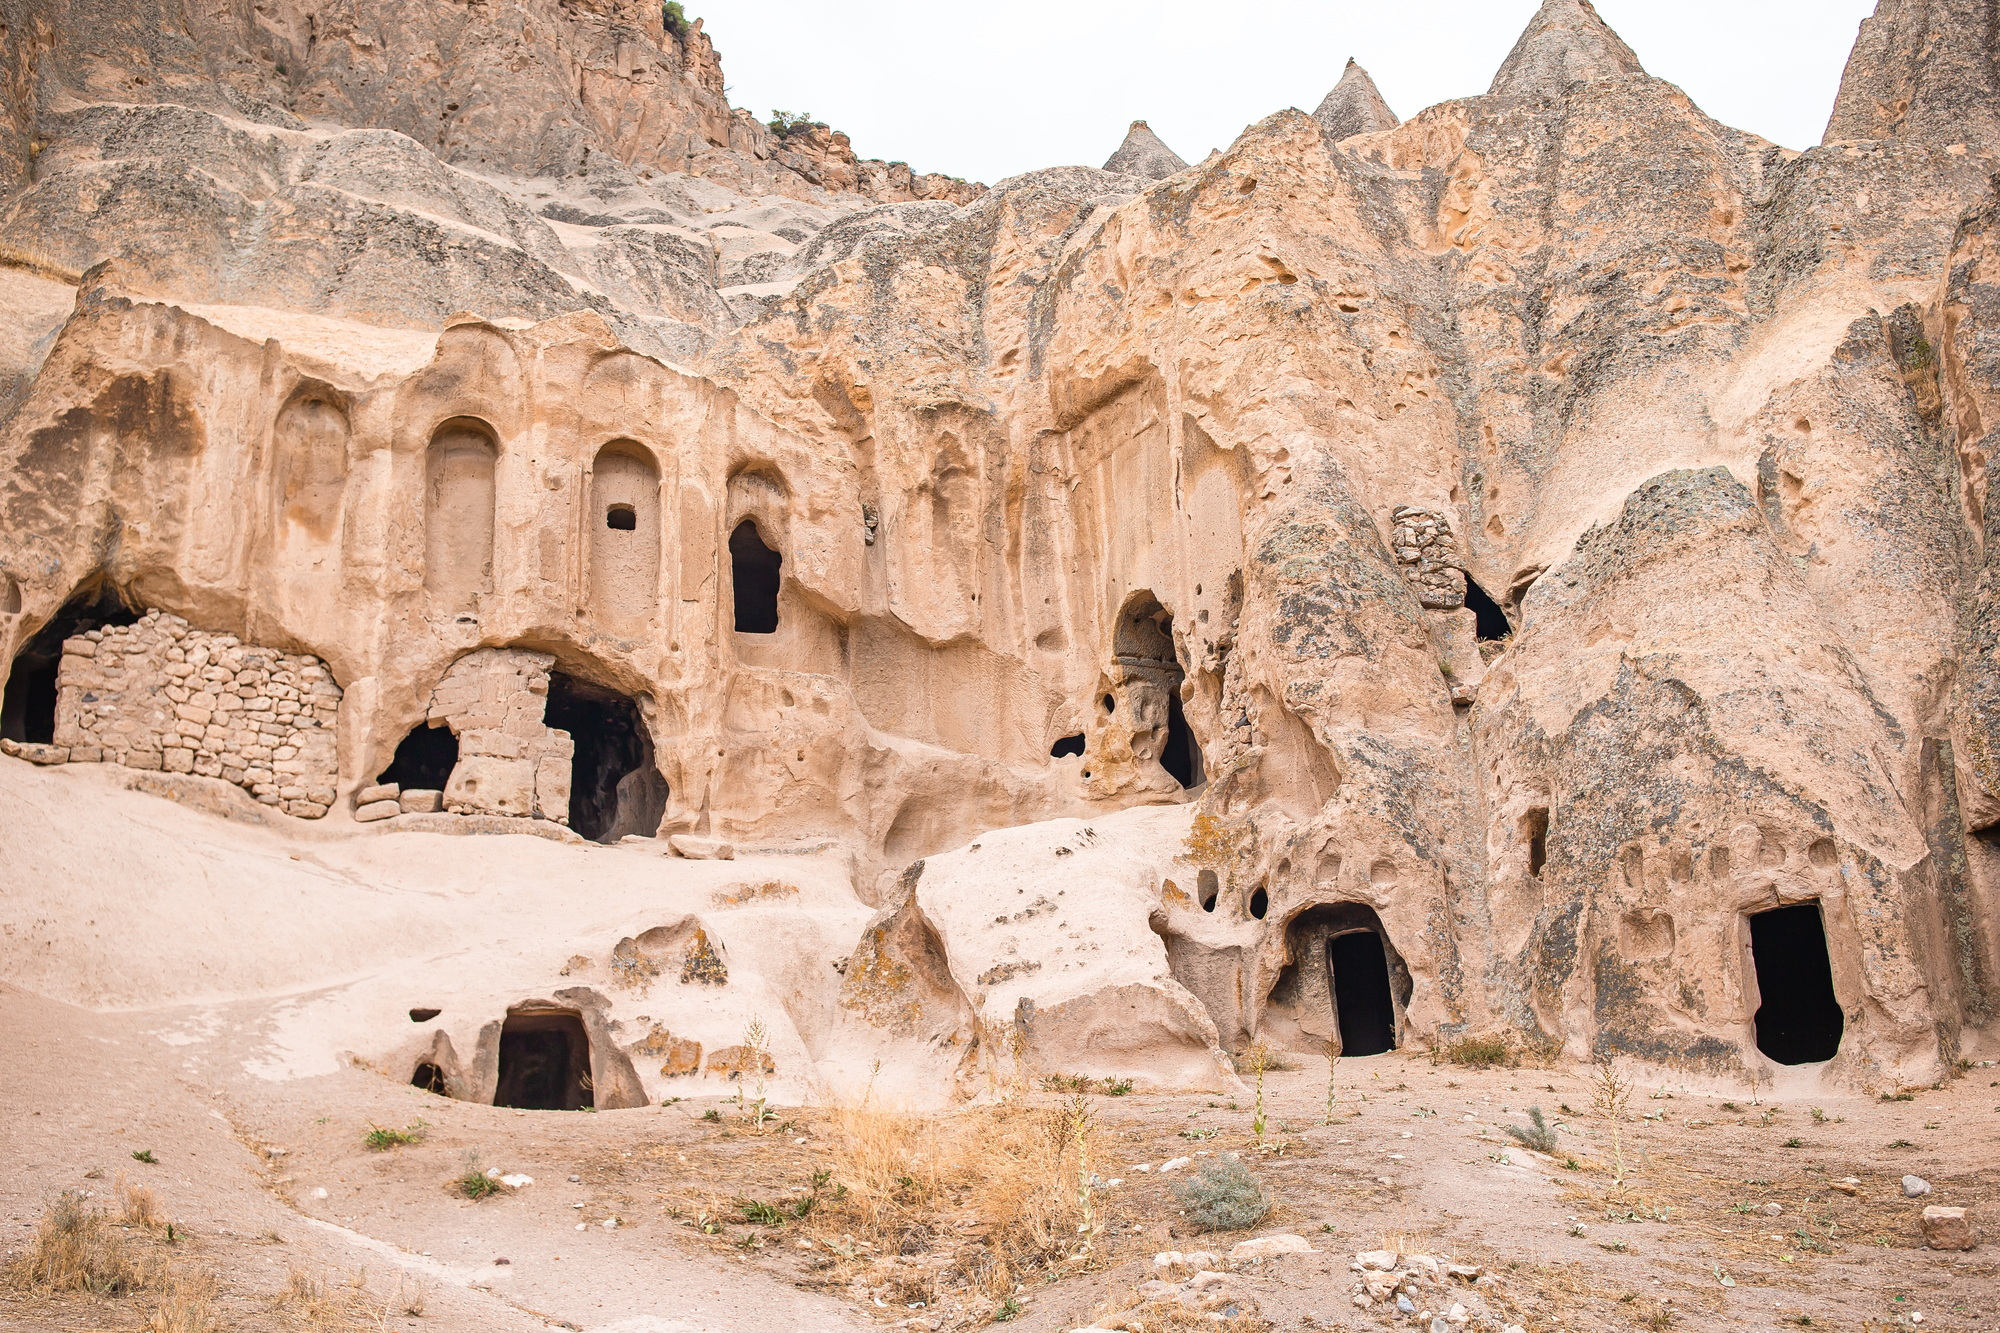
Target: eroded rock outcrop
{"type": "Point", "coordinates": [1523, 569]}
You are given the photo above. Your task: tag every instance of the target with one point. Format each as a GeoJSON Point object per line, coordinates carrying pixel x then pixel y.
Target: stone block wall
{"type": "Point", "coordinates": [1427, 552]}
{"type": "Point", "coordinates": [160, 695]}
{"type": "Point", "coordinates": [510, 762]}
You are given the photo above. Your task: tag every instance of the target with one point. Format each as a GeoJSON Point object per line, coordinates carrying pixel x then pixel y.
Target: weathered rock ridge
{"type": "Point", "coordinates": [1544, 542]}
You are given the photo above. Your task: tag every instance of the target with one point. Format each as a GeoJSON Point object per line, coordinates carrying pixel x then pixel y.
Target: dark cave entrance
{"type": "Point", "coordinates": [1345, 983]}
{"type": "Point", "coordinates": [1067, 746]}
{"type": "Point", "coordinates": [1799, 1021]}
{"type": "Point", "coordinates": [544, 1062]}
{"type": "Point", "coordinates": [754, 574]}
{"type": "Point", "coordinates": [28, 709]}
{"type": "Point", "coordinates": [1493, 624]}
{"type": "Point", "coordinates": [1361, 998]}
{"type": "Point", "coordinates": [614, 787]}
{"type": "Point", "coordinates": [1182, 755]}
{"type": "Point", "coordinates": [428, 1077]}
{"type": "Point", "coordinates": [424, 760]}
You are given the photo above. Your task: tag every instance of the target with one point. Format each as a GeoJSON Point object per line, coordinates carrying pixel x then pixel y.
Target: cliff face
{"type": "Point", "coordinates": [1548, 534]}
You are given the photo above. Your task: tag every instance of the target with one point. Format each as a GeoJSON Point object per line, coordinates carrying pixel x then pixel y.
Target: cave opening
{"type": "Point", "coordinates": [614, 787]}
{"type": "Point", "coordinates": [621, 518]}
{"type": "Point", "coordinates": [544, 1062]}
{"type": "Point", "coordinates": [1535, 827]}
{"type": "Point", "coordinates": [1182, 755]}
{"type": "Point", "coordinates": [1344, 986]}
{"type": "Point", "coordinates": [1207, 889]}
{"type": "Point", "coordinates": [1361, 999]}
{"type": "Point", "coordinates": [1260, 902]}
{"type": "Point", "coordinates": [754, 573]}
{"type": "Point", "coordinates": [424, 759]}
{"type": "Point", "coordinates": [28, 708]}
{"type": "Point", "coordinates": [1067, 746]}
{"type": "Point", "coordinates": [428, 1077]}
{"type": "Point", "coordinates": [1799, 1021]}
{"type": "Point", "coordinates": [1492, 623]}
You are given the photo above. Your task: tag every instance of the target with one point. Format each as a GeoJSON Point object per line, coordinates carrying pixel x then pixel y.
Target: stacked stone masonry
{"type": "Point", "coordinates": [1427, 552]}
{"type": "Point", "coordinates": [510, 762]}
{"type": "Point", "coordinates": [160, 695]}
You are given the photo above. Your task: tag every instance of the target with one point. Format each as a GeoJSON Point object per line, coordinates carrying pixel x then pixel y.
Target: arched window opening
{"type": "Point", "coordinates": [621, 518]}
{"type": "Point", "coordinates": [1535, 828]}
{"type": "Point", "coordinates": [544, 1062]}
{"type": "Point", "coordinates": [428, 1077]}
{"type": "Point", "coordinates": [424, 760]}
{"type": "Point", "coordinates": [1492, 622]}
{"type": "Point", "coordinates": [1143, 644]}
{"type": "Point", "coordinates": [755, 570]}
{"type": "Point", "coordinates": [1207, 889]}
{"type": "Point", "coordinates": [614, 787]}
{"type": "Point", "coordinates": [28, 709]}
{"type": "Point", "coordinates": [1067, 746]}
{"type": "Point", "coordinates": [1182, 755]}
{"type": "Point", "coordinates": [1799, 1021]}
{"type": "Point", "coordinates": [1260, 903]}
{"type": "Point", "coordinates": [1110, 706]}
{"type": "Point", "coordinates": [625, 552]}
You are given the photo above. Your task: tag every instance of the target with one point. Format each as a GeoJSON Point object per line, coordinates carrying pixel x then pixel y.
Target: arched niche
{"type": "Point", "coordinates": [624, 521]}
{"type": "Point", "coordinates": [459, 495]}
{"type": "Point", "coordinates": [310, 445]}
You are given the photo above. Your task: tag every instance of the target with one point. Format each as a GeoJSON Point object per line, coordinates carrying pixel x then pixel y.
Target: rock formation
{"type": "Point", "coordinates": [1523, 570]}
{"type": "Point", "coordinates": [1355, 106]}
{"type": "Point", "coordinates": [1143, 154]}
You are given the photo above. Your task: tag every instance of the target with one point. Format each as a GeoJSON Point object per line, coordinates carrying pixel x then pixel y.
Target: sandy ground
{"type": "Point", "coordinates": [260, 1160]}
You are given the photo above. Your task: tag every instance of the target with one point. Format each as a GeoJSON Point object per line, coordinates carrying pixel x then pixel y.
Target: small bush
{"type": "Point", "coordinates": [146, 1155]}
{"type": "Point", "coordinates": [674, 17]}
{"type": "Point", "coordinates": [1222, 1195]}
{"type": "Point", "coordinates": [1480, 1053]}
{"type": "Point", "coordinates": [787, 123]}
{"type": "Point", "coordinates": [1006, 1310]}
{"type": "Point", "coordinates": [1539, 1134]}
{"type": "Point", "coordinates": [760, 1214]}
{"type": "Point", "coordinates": [379, 1139]}
{"type": "Point", "coordinates": [474, 1183]}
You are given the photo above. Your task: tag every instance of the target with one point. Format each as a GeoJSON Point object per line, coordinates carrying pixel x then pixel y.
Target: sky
{"type": "Point", "coordinates": [990, 90]}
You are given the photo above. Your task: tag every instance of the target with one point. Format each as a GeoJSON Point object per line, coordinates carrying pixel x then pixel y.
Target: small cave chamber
{"type": "Point", "coordinates": [1143, 647]}
{"type": "Point", "coordinates": [1345, 987]}
{"type": "Point", "coordinates": [544, 1062]}
{"type": "Point", "coordinates": [28, 708]}
{"type": "Point", "coordinates": [755, 577]}
{"type": "Point", "coordinates": [615, 787]}
{"type": "Point", "coordinates": [1798, 1020]}
{"type": "Point", "coordinates": [1068, 747]}
{"type": "Point", "coordinates": [424, 759]}
{"type": "Point", "coordinates": [624, 533]}
{"type": "Point", "coordinates": [1490, 622]}
{"type": "Point", "coordinates": [429, 1077]}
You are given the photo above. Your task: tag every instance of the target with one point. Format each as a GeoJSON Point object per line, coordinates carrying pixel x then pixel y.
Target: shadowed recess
{"type": "Point", "coordinates": [1799, 1021]}
{"type": "Point", "coordinates": [1493, 624]}
{"type": "Point", "coordinates": [424, 759]}
{"type": "Point", "coordinates": [754, 570]}
{"type": "Point", "coordinates": [544, 1063]}
{"type": "Point", "coordinates": [614, 788]}
{"type": "Point", "coordinates": [28, 710]}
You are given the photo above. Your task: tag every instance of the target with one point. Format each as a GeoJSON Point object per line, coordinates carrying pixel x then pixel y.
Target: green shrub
{"type": "Point", "coordinates": [1539, 1134]}
{"type": "Point", "coordinates": [1222, 1195]}
{"type": "Point", "coordinates": [674, 17]}
{"type": "Point", "coordinates": [784, 123]}
{"type": "Point", "coordinates": [379, 1139]}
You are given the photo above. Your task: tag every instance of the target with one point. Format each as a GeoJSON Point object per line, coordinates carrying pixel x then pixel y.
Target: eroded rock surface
{"type": "Point", "coordinates": [1521, 570]}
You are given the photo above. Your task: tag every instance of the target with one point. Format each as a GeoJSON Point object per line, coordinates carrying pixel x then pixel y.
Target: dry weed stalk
{"type": "Point", "coordinates": [755, 1040]}
{"type": "Point", "coordinates": [1610, 1096]}
{"type": "Point", "coordinates": [327, 1304]}
{"type": "Point", "coordinates": [138, 1205]}
{"type": "Point", "coordinates": [187, 1302]}
{"type": "Point", "coordinates": [76, 1249]}
{"type": "Point", "coordinates": [1260, 1060]}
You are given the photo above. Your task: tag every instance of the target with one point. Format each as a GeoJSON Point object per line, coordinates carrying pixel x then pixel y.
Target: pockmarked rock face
{"type": "Point", "coordinates": [1522, 571]}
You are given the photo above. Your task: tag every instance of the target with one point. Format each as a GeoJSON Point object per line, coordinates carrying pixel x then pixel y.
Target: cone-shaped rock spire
{"type": "Point", "coordinates": [1565, 43]}
{"type": "Point", "coordinates": [1142, 154]}
{"type": "Point", "coordinates": [1355, 106]}
{"type": "Point", "coordinates": [1923, 70]}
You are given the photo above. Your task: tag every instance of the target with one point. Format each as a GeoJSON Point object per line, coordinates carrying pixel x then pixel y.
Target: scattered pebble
{"type": "Point", "coordinates": [1915, 1187]}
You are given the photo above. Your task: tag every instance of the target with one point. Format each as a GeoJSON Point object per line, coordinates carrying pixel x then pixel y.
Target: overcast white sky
{"type": "Point", "coordinates": [992, 89]}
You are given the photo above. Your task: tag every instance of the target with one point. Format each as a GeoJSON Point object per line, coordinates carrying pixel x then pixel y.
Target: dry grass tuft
{"type": "Point", "coordinates": [76, 1249]}
{"type": "Point", "coordinates": [1481, 1053]}
{"type": "Point", "coordinates": [187, 1302]}
{"type": "Point", "coordinates": [328, 1303]}
{"type": "Point", "coordinates": [138, 1205]}
{"type": "Point", "coordinates": [1015, 1181]}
